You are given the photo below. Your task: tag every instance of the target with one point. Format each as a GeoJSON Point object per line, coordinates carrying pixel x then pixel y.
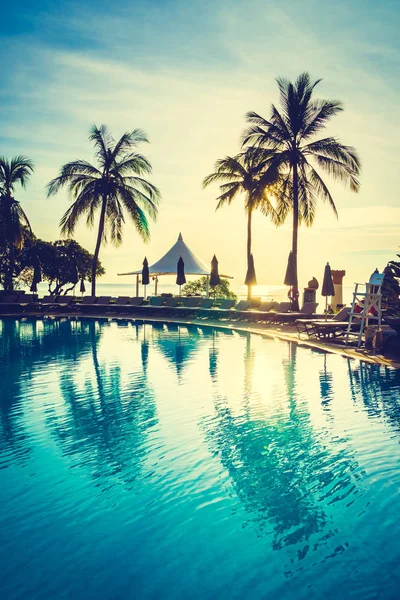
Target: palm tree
{"type": "Point", "coordinates": [115, 186]}
{"type": "Point", "coordinates": [290, 134]}
{"type": "Point", "coordinates": [14, 223]}
{"type": "Point", "coordinates": [249, 174]}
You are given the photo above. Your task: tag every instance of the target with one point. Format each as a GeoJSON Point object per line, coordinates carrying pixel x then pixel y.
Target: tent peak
{"type": "Point", "coordinates": [180, 238]}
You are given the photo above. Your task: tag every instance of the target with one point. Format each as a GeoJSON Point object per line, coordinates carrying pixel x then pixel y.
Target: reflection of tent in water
{"type": "Point", "coordinates": [176, 343]}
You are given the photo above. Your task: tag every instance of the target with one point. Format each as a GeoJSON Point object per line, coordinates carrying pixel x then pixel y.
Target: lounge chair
{"type": "Point", "coordinates": [165, 310]}
{"type": "Point", "coordinates": [88, 300]}
{"type": "Point", "coordinates": [266, 306]}
{"type": "Point", "coordinates": [87, 305]}
{"type": "Point", "coordinates": [58, 303]}
{"type": "Point", "coordinates": [122, 300]}
{"type": "Point", "coordinates": [243, 305]}
{"type": "Point", "coordinates": [226, 304]}
{"type": "Point", "coordinates": [190, 301]}
{"type": "Point", "coordinates": [136, 301]}
{"type": "Point", "coordinates": [156, 301]}
{"type": "Point", "coordinates": [240, 312]}
{"type": "Point", "coordinates": [207, 303]}
{"type": "Point", "coordinates": [220, 311]}
{"type": "Point", "coordinates": [10, 303]}
{"type": "Point", "coordinates": [103, 301]}
{"type": "Point", "coordinates": [290, 317]}
{"type": "Point", "coordinates": [333, 327]}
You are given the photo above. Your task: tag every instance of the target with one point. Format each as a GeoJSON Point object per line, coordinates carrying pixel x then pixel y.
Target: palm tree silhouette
{"type": "Point", "coordinates": [14, 223]}
{"type": "Point", "coordinates": [289, 135]}
{"type": "Point", "coordinates": [248, 173]}
{"type": "Point", "coordinates": [115, 187]}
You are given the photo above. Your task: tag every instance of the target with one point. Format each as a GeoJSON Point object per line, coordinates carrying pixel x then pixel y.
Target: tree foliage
{"type": "Point", "coordinates": [58, 260]}
{"type": "Point", "coordinates": [14, 224]}
{"type": "Point", "coordinates": [289, 136]}
{"type": "Point", "coordinates": [115, 188]}
{"type": "Point", "coordinates": [198, 287]}
{"type": "Point", "coordinates": [391, 286]}
{"type": "Point", "coordinates": [253, 176]}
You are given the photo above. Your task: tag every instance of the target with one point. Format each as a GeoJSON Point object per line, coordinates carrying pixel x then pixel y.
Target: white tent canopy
{"type": "Point", "coordinates": [167, 265]}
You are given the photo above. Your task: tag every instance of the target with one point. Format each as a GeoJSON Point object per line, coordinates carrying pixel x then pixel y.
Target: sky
{"type": "Point", "coordinates": [187, 73]}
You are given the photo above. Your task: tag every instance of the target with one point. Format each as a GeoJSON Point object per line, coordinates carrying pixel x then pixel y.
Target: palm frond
{"type": "Point", "coordinates": [70, 173]}
{"type": "Point", "coordinates": [81, 206]}
{"type": "Point", "coordinates": [229, 193]}
{"type": "Point", "coordinates": [103, 142]}
{"type": "Point", "coordinates": [147, 202]}
{"type": "Point", "coordinates": [226, 169]}
{"type": "Point", "coordinates": [339, 170]}
{"type": "Point", "coordinates": [17, 170]}
{"type": "Point", "coordinates": [332, 148]}
{"type": "Point", "coordinates": [317, 115]}
{"type": "Point", "coordinates": [135, 163]}
{"type": "Point", "coordinates": [127, 141]}
{"type": "Point", "coordinates": [321, 189]}
{"type": "Point", "coordinates": [136, 214]}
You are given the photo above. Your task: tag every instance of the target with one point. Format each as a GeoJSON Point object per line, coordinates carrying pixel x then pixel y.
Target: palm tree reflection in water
{"type": "Point", "coordinates": [284, 475]}
{"type": "Point", "coordinates": [107, 424]}
{"type": "Point", "coordinates": [24, 347]}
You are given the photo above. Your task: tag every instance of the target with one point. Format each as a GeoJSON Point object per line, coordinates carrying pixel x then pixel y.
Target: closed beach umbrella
{"type": "Point", "coordinates": [251, 278]}
{"type": "Point", "coordinates": [74, 274]}
{"type": "Point", "coordinates": [214, 275]}
{"type": "Point", "coordinates": [145, 275]}
{"type": "Point", "coordinates": [37, 275]}
{"type": "Point", "coordinates": [328, 289]}
{"type": "Point", "coordinates": [37, 270]}
{"type": "Point", "coordinates": [82, 288]}
{"type": "Point", "coordinates": [291, 281]}
{"type": "Point", "coordinates": [145, 272]}
{"type": "Point", "coordinates": [290, 277]}
{"type": "Point", "coordinates": [180, 273]}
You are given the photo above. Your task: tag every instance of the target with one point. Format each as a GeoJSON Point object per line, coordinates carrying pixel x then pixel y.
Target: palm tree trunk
{"type": "Point", "coordinates": [98, 244]}
{"type": "Point", "coordinates": [295, 228]}
{"type": "Point", "coordinates": [248, 249]}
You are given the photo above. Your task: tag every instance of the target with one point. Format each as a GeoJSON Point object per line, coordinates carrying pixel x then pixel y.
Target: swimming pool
{"type": "Point", "coordinates": [154, 461]}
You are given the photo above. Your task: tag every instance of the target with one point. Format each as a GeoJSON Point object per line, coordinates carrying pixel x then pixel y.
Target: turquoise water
{"type": "Point", "coordinates": [155, 462]}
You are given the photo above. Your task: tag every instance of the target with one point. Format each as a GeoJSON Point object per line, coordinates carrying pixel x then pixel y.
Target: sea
{"type": "Point", "coordinates": [266, 292]}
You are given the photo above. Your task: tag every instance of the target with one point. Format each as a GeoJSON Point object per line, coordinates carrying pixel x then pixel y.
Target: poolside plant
{"type": "Point", "coordinates": [290, 135]}
{"type": "Point", "coordinates": [198, 287]}
{"type": "Point", "coordinates": [115, 187]}
{"type": "Point", "coordinates": [14, 224]}
{"type": "Point", "coordinates": [249, 174]}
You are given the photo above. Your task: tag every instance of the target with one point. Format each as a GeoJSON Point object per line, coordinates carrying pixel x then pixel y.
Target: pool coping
{"type": "Point", "coordinates": [289, 334]}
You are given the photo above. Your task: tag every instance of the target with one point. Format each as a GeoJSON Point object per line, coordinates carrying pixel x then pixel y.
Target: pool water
{"type": "Point", "coordinates": [164, 462]}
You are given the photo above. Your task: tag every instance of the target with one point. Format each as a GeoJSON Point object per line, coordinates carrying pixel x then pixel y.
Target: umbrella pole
{"type": "Point", "coordinates": [137, 286]}
{"type": "Point", "coordinates": [326, 308]}
{"type": "Point", "coordinates": [180, 289]}
{"type": "Point", "coordinates": [155, 286]}
{"type": "Point", "coordinates": [208, 287]}
{"type": "Point", "coordinates": [145, 292]}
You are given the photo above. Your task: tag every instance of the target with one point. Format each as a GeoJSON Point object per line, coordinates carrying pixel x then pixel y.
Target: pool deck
{"type": "Point", "coordinates": [286, 332]}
